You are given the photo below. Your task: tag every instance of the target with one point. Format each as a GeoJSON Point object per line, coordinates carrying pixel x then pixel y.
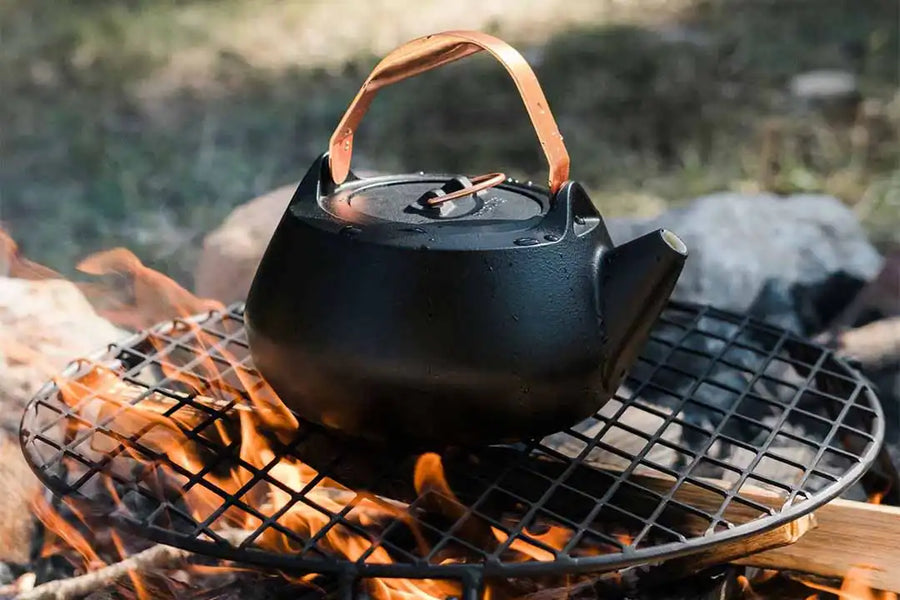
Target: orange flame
{"type": "Point", "coordinates": [876, 497]}
{"type": "Point", "coordinates": [151, 297]}
{"type": "Point", "coordinates": [101, 393]}
{"type": "Point", "coordinates": [65, 531]}
{"type": "Point", "coordinates": [747, 590]}
{"type": "Point", "coordinates": [429, 476]}
{"type": "Point", "coordinates": [625, 538]}
{"type": "Point", "coordinates": [854, 587]}
{"type": "Point", "coordinates": [17, 265]}
{"type": "Point", "coordinates": [140, 589]}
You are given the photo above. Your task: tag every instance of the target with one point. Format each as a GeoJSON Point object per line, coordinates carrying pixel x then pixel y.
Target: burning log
{"type": "Point", "coordinates": [881, 294]}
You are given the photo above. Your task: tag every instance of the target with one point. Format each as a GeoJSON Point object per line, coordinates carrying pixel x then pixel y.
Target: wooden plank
{"type": "Point", "coordinates": [850, 535]}
{"type": "Point", "coordinates": [777, 538]}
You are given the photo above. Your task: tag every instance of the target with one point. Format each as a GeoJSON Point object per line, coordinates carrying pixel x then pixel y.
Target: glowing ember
{"type": "Point", "coordinates": [876, 497]}
{"type": "Point", "coordinates": [854, 587]}
{"type": "Point", "coordinates": [747, 591]}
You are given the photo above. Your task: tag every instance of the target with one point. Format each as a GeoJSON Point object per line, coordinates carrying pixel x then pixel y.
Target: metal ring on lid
{"type": "Point", "coordinates": [429, 52]}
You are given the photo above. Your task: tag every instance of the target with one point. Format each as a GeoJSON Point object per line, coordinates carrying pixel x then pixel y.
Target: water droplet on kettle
{"type": "Point", "coordinates": [350, 230]}
{"type": "Point", "coordinates": [551, 238]}
{"type": "Point", "coordinates": [525, 241]}
{"type": "Point", "coordinates": [579, 219]}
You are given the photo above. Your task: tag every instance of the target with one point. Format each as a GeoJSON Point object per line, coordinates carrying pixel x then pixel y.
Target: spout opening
{"type": "Point", "coordinates": [674, 242]}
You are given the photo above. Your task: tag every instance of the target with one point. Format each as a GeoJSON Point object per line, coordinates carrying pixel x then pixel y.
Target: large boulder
{"type": "Point", "coordinates": [742, 248]}
{"type": "Point", "coordinates": [232, 252]}
{"type": "Point", "coordinates": [773, 256]}
{"type": "Point", "coordinates": [43, 326]}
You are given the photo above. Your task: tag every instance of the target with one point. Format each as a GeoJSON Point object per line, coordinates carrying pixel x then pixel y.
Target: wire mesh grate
{"type": "Point", "coordinates": [725, 427]}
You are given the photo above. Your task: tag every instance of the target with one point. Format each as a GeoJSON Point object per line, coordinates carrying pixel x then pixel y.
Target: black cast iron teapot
{"type": "Point", "coordinates": [426, 310]}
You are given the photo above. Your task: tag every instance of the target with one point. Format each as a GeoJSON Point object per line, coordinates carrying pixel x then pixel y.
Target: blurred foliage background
{"type": "Point", "coordinates": [143, 122]}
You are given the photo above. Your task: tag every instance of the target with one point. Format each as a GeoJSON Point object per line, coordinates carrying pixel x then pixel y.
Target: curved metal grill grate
{"type": "Point", "coordinates": [725, 427]}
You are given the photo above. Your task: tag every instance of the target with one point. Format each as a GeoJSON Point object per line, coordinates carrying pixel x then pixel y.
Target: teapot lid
{"type": "Point", "coordinates": [393, 210]}
{"type": "Point", "coordinates": [422, 198]}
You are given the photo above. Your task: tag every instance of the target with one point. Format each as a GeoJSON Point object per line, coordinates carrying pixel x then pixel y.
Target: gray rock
{"type": "Point", "coordinates": [833, 94]}
{"type": "Point", "coordinates": [824, 85]}
{"type": "Point", "coordinates": [7, 575]}
{"type": "Point", "coordinates": [232, 251]}
{"type": "Point", "coordinates": [739, 244]}
{"type": "Point", "coordinates": [43, 326]}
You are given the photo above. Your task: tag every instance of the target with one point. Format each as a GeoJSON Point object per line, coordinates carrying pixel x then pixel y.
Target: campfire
{"type": "Point", "coordinates": [171, 437]}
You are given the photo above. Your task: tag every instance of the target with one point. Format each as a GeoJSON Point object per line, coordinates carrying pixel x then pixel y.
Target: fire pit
{"type": "Point", "coordinates": [726, 427]}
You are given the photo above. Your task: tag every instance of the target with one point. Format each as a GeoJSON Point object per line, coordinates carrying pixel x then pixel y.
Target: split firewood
{"type": "Point", "coordinates": [881, 294]}
{"type": "Point", "coordinates": [780, 537]}
{"type": "Point", "coordinates": [874, 345]}
{"type": "Point", "coordinates": [850, 537]}
{"type": "Point", "coordinates": [159, 556]}
{"type": "Point", "coordinates": [155, 557]}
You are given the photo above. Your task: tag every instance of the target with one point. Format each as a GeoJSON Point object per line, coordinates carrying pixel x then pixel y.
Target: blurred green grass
{"type": "Point", "coordinates": [142, 123]}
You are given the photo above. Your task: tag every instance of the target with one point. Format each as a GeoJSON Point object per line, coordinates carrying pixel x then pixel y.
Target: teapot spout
{"type": "Point", "coordinates": [636, 280]}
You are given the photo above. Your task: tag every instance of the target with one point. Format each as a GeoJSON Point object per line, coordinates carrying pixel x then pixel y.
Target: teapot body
{"type": "Point", "coordinates": [435, 310]}
{"type": "Point", "coordinates": [419, 335]}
